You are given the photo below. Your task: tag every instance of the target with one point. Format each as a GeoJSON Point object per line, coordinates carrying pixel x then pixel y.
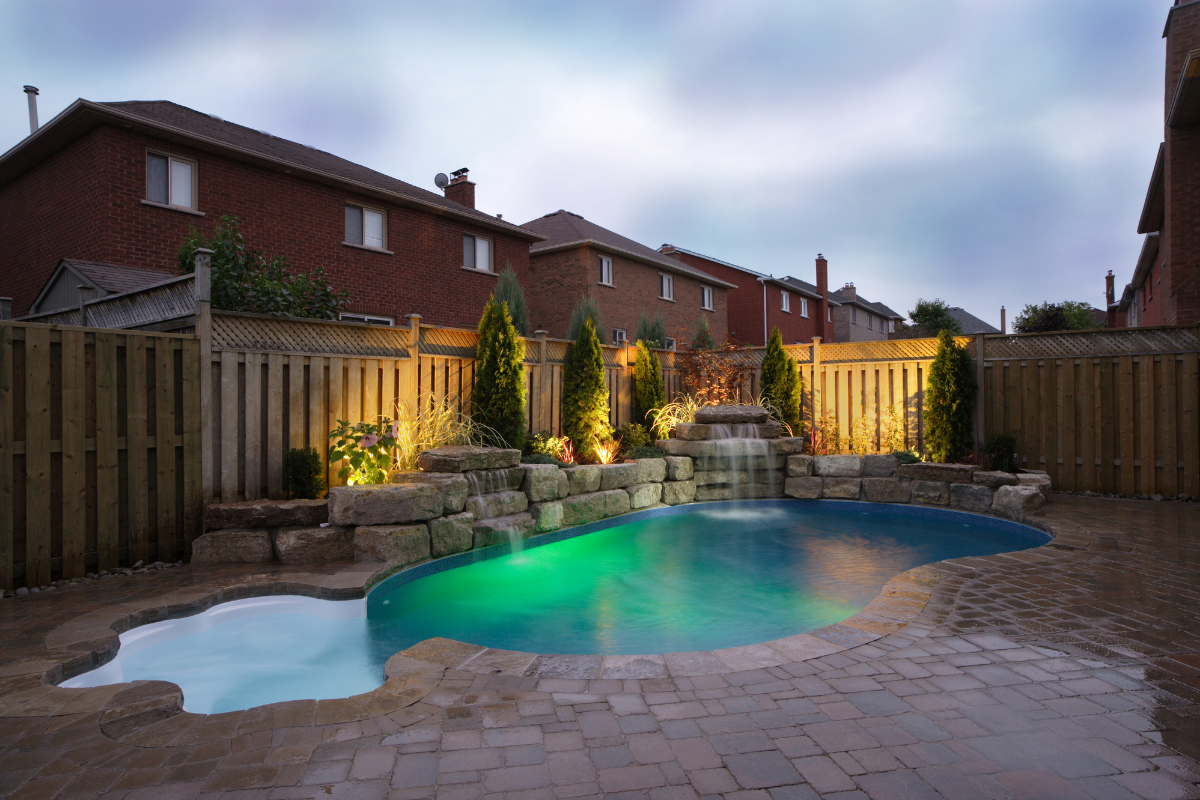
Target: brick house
{"type": "Point", "coordinates": [761, 303]}
{"type": "Point", "coordinates": [1165, 286]}
{"type": "Point", "coordinates": [625, 278]}
{"type": "Point", "coordinates": [122, 183]}
{"type": "Point", "coordinates": [856, 319]}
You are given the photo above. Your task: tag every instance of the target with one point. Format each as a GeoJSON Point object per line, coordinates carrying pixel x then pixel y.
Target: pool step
{"type": "Point", "coordinates": [497, 504]}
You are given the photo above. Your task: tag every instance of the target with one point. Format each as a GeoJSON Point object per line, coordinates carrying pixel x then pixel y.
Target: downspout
{"type": "Point", "coordinates": [763, 281]}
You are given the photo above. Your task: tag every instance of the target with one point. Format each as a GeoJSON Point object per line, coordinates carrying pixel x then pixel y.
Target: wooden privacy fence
{"type": "Point", "coordinates": [99, 450]}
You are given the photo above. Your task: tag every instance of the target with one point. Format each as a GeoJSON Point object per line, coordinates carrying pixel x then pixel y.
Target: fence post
{"type": "Point", "coordinates": [203, 293]}
{"type": "Point", "coordinates": [812, 388]}
{"type": "Point", "coordinates": [543, 402]}
{"type": "Point", "coordinates": [85, 294]}
{"type": "Point", "coordinates": [414, 358]}
{"type": "Point", "coordinates": [979, 395]}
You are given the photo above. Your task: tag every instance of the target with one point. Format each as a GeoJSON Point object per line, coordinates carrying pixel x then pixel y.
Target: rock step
{"type": "Point", "coordinates": [497, 504]}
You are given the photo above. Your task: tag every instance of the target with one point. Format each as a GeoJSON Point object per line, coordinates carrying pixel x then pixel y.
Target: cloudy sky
{"type": "Point", "coordinates": [986, 152]}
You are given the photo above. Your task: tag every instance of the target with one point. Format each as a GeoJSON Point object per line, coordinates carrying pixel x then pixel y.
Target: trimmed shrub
{"type": "Point", "coordinates": [791, 399]}
{"type": "Point", "coordinates": [509, 292]}
{"type": "Point", "coordinates": [498, 401]}
{"type": "Point", "coordinates": [652, 331]}
{"type": "Point", "coordinates": [585, 394]}
{"type": "Point", "coordinates": [633, 435]}
{"type": "Point", "coordinates": [782, 385]}
{"type": "Point", "coordinates": [950, 402]}
{"type": "Point", "coordinates": [303, 474]}
{"type": "Point", "coordinates": [648, 392]}
{"type": "Point", "coordinates": [586, 308]}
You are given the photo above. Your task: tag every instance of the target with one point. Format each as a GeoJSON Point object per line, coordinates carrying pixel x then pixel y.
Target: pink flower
{"type": "Point", "coordinates": [395, 430]}
{"type": "Point", "coordinates": [370, 440]}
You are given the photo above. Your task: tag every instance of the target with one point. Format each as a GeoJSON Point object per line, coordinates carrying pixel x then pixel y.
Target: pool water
{"type": "Point", "coordinates": [711, 576]}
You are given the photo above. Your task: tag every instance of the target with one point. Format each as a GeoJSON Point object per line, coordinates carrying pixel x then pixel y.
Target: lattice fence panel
{"type": "Point", "coordinates": [165, 301]}
{"type": "Point", "coordinates": [883, 350]}
{"type": "Point", "coordinates": [291, 335]}
{"type": "Point", "coordinates": [1072, 344]}
{"type": "Point", "coordinates": [448, 342]}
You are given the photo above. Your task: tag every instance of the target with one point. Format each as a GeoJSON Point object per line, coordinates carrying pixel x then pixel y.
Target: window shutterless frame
{"type": "Point", "coordinates": [706, 298]}
{"type": "Point", "coordinates": [366, 227]}
{"type": "Point", "coordinates": [477, 253]}
{"type": "Point", "coordinates": [666, 286]}
{"type": "Point", "coordinates": [804, 307]}
{"type": "Point", "coordinates": [606, 271]}
{"type": "Point", "coordinates": [785, 301]}
{"type": "Point", "coordinates": [171, 180]}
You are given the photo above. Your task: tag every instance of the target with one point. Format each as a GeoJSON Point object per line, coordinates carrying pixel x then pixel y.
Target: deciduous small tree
{"type": "Point", "coordinates": [928, 319]}
{"type": "Point", "coordinates": [498, 400]}
{"type": "Point", "coordinates": [950, 402]}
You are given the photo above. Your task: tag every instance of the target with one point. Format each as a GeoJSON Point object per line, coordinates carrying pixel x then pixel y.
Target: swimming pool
{"type": "Point", "coordinates": [685, 578]}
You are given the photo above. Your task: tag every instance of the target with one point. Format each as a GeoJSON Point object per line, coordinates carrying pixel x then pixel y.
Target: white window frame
{"type": "Point", "coordinates": [854, 314]}
{"type": "Point", "coordinates": [871, 322]}
{"type": "Point", "coordinates": [670, 344]}
{"type": "Point", "coordinates": [174, 159]}
{"type": "Point", "coordinates": [365, 319]}
{"type": "Point", "coordinates": [891, 326]}
{"type": "Point", "coordinates": [666, 287]}
{"type": "Point", "coordinates": [785, 301]}
{"type": "Point", "coordinates": [363, 210]}
{"type": "Point", "coordinates": [829, 313]}
{"type": "Point", "coordinates": [491, 252]}
{"type": "Point", "coordinates": [706, 298]}
{"type": "Point", "coordinates": [623, 338]}
{"type": "Point", "coordinates": [606, 271]}
{"type": "Point", "coordinates": [804, 307]}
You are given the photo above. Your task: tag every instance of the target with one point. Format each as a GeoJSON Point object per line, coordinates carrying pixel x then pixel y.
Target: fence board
{"type": "Point", "coordinates": [253, 412]}
{"type": "Point", "coordinates": [164, 446]}
{"type": "Point", "coordinates": [297, 432]}
{"type": "Point", "coordinates": [107, 513]}
{"type": "Point", "coordinates": [37, 455]}
{"type": "Point", "coordinates": [192, 443]}
{"type": "Point", "coordinates": [1123, 406]}
{"type": "Point", "coordinates": [1146, 397]}
{"type": "Point", "coordinates": [1189, 422]}
{"type": "Point", "coordinates": [138, 498]}
{"type": "Point", "coordinates": [230, 435]}
{"type": "Point", "coordinates": [316, 405]}
{"type": "Point", "coordinates": [7, 437]}
{"type": "Point", "coordinates": [1067, 413]}
{"type": "Point", "coordinates": [1165, 416]}
{"type": "Point", "coordinates": [74, 459]}
{"type": "Point", "coordinates": [1086, 392]}
{"type": "Point", "coordinates": [274, 425]}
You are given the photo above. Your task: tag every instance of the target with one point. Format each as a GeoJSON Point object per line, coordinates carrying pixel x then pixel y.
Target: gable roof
{"type": "Point", "coordinates": [564, 229]}
{"type": "Point", "coordinates": [787, 282]}
{"type": "Point", "coordinates": [970, 323]}
{"type": "Point", "coordinates": [112, 278]}
{"type": "Point", "coordinates": [173, 122]}
{"type": "Point", "coordinates": [863, 303]}
{"type": "Point", "coordinates": [1155, 204]}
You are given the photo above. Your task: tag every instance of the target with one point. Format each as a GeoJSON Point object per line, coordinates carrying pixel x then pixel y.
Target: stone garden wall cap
{"type": "Point", "coordinates": [462, 458]}
{"type": "Point", "coordinates": [730, 415]}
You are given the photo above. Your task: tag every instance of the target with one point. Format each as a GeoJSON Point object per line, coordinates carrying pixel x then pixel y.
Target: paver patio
{"type": "Point", "coordinates": [1068, 672]}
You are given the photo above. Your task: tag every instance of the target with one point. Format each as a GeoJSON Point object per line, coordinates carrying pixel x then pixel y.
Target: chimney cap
{"type": "Point", "coordinates": [1110, 272]}
{"type": "Point", "coordinates": [31, 90]}
{"type": "Point", "coordinates": [820, 256]}
{"type": "Point", "coordinates": [458, 173]}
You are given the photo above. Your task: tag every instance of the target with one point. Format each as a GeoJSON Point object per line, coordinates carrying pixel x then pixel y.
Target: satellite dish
{"type": "Point", "coordinates": [441, 180]}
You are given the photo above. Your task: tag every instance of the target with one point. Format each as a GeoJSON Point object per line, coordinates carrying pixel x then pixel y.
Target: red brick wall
{"type": "Point", "coordinates": [95, 188]}
{"type": "Point", "coordinates": [1177, 297]}
{"type": "Point", "coordinates": [558, 279]}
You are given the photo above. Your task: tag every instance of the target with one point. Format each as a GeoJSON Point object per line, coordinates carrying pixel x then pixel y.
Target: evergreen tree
{"type": "Point", "coordinates": [774, 369]}
{"type": "Point", "coordinates": [587, 308]}
{"type": "Point", "coordinates": [950, 402]}
{"type": "Point", "coordinates": [791, 398]}
{"type": "Point", "coordinates": [585, 394]}
{"type": "Point", "coordinates": [648, 391]}
{"type": "Point", "coordinates": [509, 292]}
{"type": "Point", "coordinates": [499, 397]}
{"type": "Point", "coordinates": [652, 331]}
{"type": "Point", "coordinates": [929, 318]}
{"type": "Point", "coordinates": [703, 339]}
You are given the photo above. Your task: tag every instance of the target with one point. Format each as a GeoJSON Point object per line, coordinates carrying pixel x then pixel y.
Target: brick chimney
{"type": "Point", "coordinates": [1003, 322]}
{"type": "Point", "coordinates": [849, 292]}
{"type": "Point", "coordinates": [461, 190]}
{"type": "Point", "coordinates": [823, 290]}
{"type": "Point", "coordinates": [1110, 298]}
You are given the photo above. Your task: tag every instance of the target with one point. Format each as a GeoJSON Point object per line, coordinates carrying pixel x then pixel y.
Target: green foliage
{"type": "Point", "coordinates": [245, 280]}
{"type": "Point", "coordinates": [703, 339]}
{"type": "Point", "coordinates": [545, 444]}
{"type": "Point", "coordinates": [782, 385]}
{"type": "Point", "coordinates": [509, 292]}
{"type": "Point", "coordinates": [791, 398]}
{"type": "Point", "coordinates": [927, 320]}
{"type": "Point", "coordinates": [541, 458]}
{"type": "Point", "coordinates": [908, 457]}
{"type": "Point", "coordinates": [303, 474]}
{"type": "Point", "coordinates": [644, 451]}
{"type": "Point", "coordinates": [366, 447]}
{"type": "Point", "coordinates": [1065, 316]}
{"type": "Point", "coordinates": [587, 308]}
{"type": "Point", "coordinates": [1003, 446]}
{"type": "Point", "coordinates": [633, 436]}
{"type": "Point", "coordinates": [950, 402]}
{"type": "Point", "coordinates": [498, 401]}
{"type": "Point", "coordinates": [649, 394]}
{"type": "Point", "coordinates": [585, 394]}
{"type": "Point", "coordinates": [652, 331]}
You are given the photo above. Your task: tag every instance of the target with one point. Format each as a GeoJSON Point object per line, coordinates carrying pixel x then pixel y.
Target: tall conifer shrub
{"type": "Point", "coordinates": [648, 391]}
{"type": "Point", "coordinates": [950, 402]}
{"type": "Point", "coordinates": [499, 397]}
{"type": "Point", "coordinates": [585, 394]}
{"type": "Point", "coordinates": [509, 292]}
{"type": "Point", "coordinates": [782, 385]}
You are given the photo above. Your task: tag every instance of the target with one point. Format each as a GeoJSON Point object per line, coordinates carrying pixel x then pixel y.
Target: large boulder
{"type": "Point", "coordinates": [1017, 503]}
{"type": "Point", "coordinates": [265, 514]}
{"type": "Point", "coordinates": [788, 445]}
{"type": "Point", "coordinates": [841, 488]}
{"type": "Point", "coordinates": [887, 490]}
{"type": "Point", "coordinates": [730, 415]}
{"type": "Point", "coordinates": [879, 466]}
{"type": "Point", "coordinates": [942, 473]}
{"type": "Point", "coordinates": [392, 544]}
{"type": "Point", "coordinates": [451, 534]}
{"type": "Point", "coordinates": [970, 497]}
{"type": "Point", "coordinates": [804, 488]}
{"type": "Point", "coordinates": [501, 530]}
{"type": "Point", "coordinates": [652, 470]}
{"type": "Point", "coordinates": [1038, 480]}
{"type": "Point", "coordinates": [800, 466]}
{"type": "Point", "coordinates": [384, 504]}
{"type": "Point", "coordinates": [233, 547]}
{"type": "Point", "coordinates": [994, 480]}
{"type": "Point", "coordinates": [540, 482]}
{"type": "Point", "coordinates": [497, 504]}
{"type": "Point", "coordinates": [579, 509]}
{"type": "Point", "coordinates": [584, 479]}
{"type": "Point", "coordinates": [679, 468]}
{"type": "Point", "coordinates": [675, 493]}
{"type": "Point", "coordinates": [616, 502]}
{"type": "Point", "coordinates": [692, 431]}
{"type": "Point", "coordinates": [838, 466]}
{"type": "Point", "coordinates": [935, 493]}
{"type": "Point", "coordinates": [454, 487]}
{"type": "Point", "coordinates": [618, 476]}
{"type": "Point", "coordinates": [644, 495]}
{"type": "Point", "coordinates": [547, 516]}
{"type": "Point", "coordinates": [720, 477]}
{"type": "Point", "coordinates": [494, 480]}
{"type": "Point", "coordinates": [314, 545]}
{"type": "Point", "coordinates": [461, 458]}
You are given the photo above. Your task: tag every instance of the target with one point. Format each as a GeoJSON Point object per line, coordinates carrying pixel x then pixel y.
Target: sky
{"type": "Point", "coordinates": [984, 152]}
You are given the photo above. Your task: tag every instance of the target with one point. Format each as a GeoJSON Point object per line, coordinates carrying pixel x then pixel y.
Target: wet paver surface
{"type": "Point", "coordinates": [1072, 671]}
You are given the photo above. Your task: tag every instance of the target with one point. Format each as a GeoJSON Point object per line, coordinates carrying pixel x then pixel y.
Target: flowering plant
{"type": "Point", "coordinates": [367, 447]}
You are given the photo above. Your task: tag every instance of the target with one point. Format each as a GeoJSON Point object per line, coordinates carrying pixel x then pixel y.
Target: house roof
{"type": "Point", "coordinates": [1149, 252]}
{"type": "Point", "coordinates": [970, 323]}
{"type": "Point", "coordinates": [787, 282]}
{"type": "Point", "coordinates": [173, 122]}
{"type": "Point", "coordinates": [863, 303]}
{"type": "Point", "coordinates": [112, 278]}
{"type": "Point", "coordinates": [564, 229]}
{"type": "Point", "coordinates": [1155, 204]}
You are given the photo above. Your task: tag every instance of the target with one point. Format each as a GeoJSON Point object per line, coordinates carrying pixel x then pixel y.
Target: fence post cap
{"type": "Point", "coordinates": [541, 334]}
{"type": "Point", "coordinates": [202, 251]}
{"type": "Point", "coordinates": [413, 316]}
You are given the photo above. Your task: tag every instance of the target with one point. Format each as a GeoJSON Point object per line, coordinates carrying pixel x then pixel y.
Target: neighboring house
{"type": "Point", "coordinates": [970, 323]}
{"type": "Point", "coordinates": [123, 183]}
{"type": "Point", "coordinates": [856, 319]}
{"type": "Point", "coordinates": [625, 278]}
{"type": "Point", "coordinates": [63, 288]}
{"type": "Point", "coordinates": [761, 303]}
{"type": "Point", "coordinates": [1165, 286]}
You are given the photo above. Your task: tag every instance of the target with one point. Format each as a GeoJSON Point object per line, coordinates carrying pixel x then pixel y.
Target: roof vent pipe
{"type": "Point", "coordinates": [31, 93]}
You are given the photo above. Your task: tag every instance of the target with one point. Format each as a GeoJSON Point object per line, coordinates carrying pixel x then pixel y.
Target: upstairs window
{"type": "Point", "coordinates": [854, 315]}
{"type": "Point", "coordinates": [804, 307]}
{"type": "Point", "coordinates": [364, 227]}
{"type": "Point", "coordinates": [870, 322]}
{"type": "Point", "coordinates": [606, 271]}
{"type": "Point", "coordinates": [829, 313]}
{"type": "Point", "coordinates": [666, 287]}
{"type": "Point", "coordinates": [891, 326]}
{"type": "Point", "coordinates": [170, 181]}
{"type": "Point", "coordinates": [620, 337]}
{"type": "Point", "coordinates": [477, 253]}
{"type": "Point", "coordinates": [785, 303]}
{"type": "Point", "coordinates": [706, 298]}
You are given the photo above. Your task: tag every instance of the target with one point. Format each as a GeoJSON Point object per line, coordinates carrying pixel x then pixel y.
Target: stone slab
{"type": "Point", "coordinates": [384, 504]}
{"type": "Point", "coordinates": [450, 534]}
{"type": "Point", "coordinates": [887, 490]}
{"type": "Point", "coordinates": [583, 479]}
{"type": "Point", "coordinates": [392, 544]}
{"type": "Point", "coordinates": [461, 458]}
{"type": "Point", "coordinates": [618, 476]}
{"type": "Point", "coordinates": [541, 482]}
{"type": "Point", "coordinates": [547, 516]}
{"type": "Point", "coordinates": [446, 652]}
{"type": "Point", "coordinates": [314, 545]}
{"type": "Point", "coordinates": [800, 466]}
{"type": "Point", "coordinates": [879, 466]}
{"type": "Point", "coordinates": [499, 530]}
{"type": "Point", "coordinates": [454, 486]}
{"type": "Point", "coordinates": [841, 488]}
{"type": "Point", "coordinates": [566, 666]}
{"type": "Point", "coordinates": [730, 415]}
{"type": "Point", "coordinates": [644, 495]}
{"type": "Point", "coordinates": [580, 509]}
{"type": "Point", "coordinates": [844, 466]}
{"type": "Point", "coordinates": [616, 502]}
{"type": "Point", "coordinates": [1017, 503]}
{"type": "Point", "coordinates": [970, 497]}
{"type": "Point", "coordinates": [233, 547]}
{"type": "Point", "coordinates": [639, 667]}
{"type": "Point", "coordinates": [266, 514]}
{"type": "Point", "coordinates": [498, 504]}
{"type": "Point", "coordinates": [930, 492]}
{"type": "Point", "coordinates": [676, 493]}
{"type": "Point", "coordinates": [788, 445]}
{"type": "Point", "coordinates": [1038, 480]}
{"type": "Point", "coordinates": [940, 473]}
{"type": "Point", "coordinates": [803, 488]}
{"type": "Point", "coordinates": [652, 470]}
{"type": "Point", "coordinates": [995, 479]}
{"type": "Point", "coordinates": [692, 431]}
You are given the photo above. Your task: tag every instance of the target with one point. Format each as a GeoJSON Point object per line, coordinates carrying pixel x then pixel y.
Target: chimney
{"type": "Point", "coordinates": [1110, 299]}
{"type": "Point", "coordinates": [461, 190]}
{"type": "Point", "coordinates": [849, 291]}
{"type": "Point", "coordinates": [823, 290]}
{"type": "Point", "coordinates": [1003, 325]}
{"type": "Point", "coordinates": [31, 94]}
{"type": "Point", "coordinates": [5, 308]}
